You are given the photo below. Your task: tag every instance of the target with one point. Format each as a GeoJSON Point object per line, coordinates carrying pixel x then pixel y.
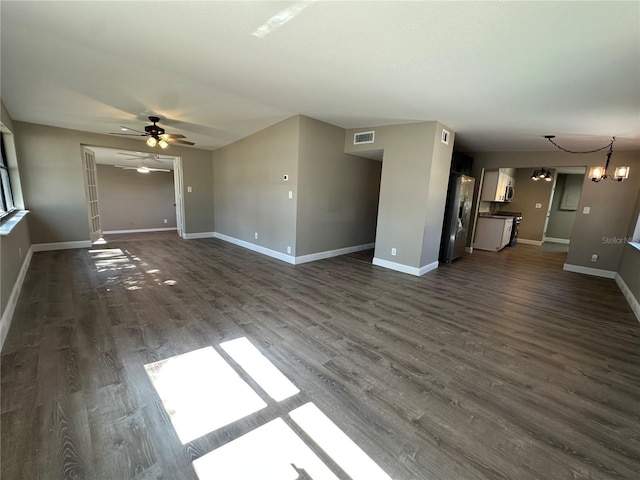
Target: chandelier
{"type": "Point", "coordinates": [599, 173]}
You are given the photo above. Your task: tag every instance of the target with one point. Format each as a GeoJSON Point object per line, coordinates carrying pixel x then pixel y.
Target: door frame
{"type": "Point", "coordinates": [179, 195]}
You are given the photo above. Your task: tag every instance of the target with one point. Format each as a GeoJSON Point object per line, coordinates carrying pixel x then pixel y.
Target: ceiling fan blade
{"type": "Point", "coordinates": [172, 135]}
{"type": "Point", "coordinates": [126, 167]}
{"type": "Point", "coordinates": [184, 142]}
{"type": "Point", "coordinates": [158, 170]}
{"type": "Point", "coordinates": [133, 130]}
{"type": "Point", "coordinates": [128, 134]}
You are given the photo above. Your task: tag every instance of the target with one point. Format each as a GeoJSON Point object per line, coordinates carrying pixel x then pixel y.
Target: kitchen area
{"type": "Point", "coordinates": [497, 226]}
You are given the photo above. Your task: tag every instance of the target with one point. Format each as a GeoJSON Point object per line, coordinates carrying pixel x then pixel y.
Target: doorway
{"type": "Point", "coordinates": [133, 192]}
{"type": "Point", "coordinates": [563, 205]}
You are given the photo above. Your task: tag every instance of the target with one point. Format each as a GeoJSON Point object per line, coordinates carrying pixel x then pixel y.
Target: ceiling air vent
{"type": "Point", "coordinates": [364, 137]}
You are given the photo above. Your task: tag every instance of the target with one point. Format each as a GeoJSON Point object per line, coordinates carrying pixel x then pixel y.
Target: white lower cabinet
{"type": "Point", "coordinates": [493, 233]}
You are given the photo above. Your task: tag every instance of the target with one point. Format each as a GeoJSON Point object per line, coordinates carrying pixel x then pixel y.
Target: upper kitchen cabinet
{"type": "Point", "coordinates": [498, 185]}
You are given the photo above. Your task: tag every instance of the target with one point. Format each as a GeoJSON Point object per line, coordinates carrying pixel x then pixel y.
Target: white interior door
{"type": "Point", "coordinates": [91, 190]}
{"type": "Point", "coordinates": [177, 181]}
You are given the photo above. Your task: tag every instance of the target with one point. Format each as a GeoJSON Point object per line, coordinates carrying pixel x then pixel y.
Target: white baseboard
{"type": "Point", "coordinates": [427, 268]}
{"type": "Point", "coordinates": [140, 230]}
{"type": "Point", "coordinates": [7, 315]}
{"type": "Point", "coordinates": [195, 236]}
{"type": "Point", "coordinates": [312, 257]}
{"type": "Point", "coordinates": [399, 267]}
{"type": "Point", "coordinates": [596, 272]}
{"type": "Point", "coordinates": [633, 301]}
{"type": "Point", "coordinates": [525, 241]}
{"type": "Point", "coordinates": [45, 247]}
{"type": "Point", "coordinates": [564, 241]}
{"type": "Point", "coordinates": [256, 248]}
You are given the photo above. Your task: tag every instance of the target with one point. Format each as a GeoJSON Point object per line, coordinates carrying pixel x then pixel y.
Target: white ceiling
{"type": "Point", "coordinates": [500, 74]}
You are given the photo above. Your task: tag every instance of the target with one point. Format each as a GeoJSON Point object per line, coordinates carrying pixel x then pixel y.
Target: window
{"type": "Point", "coordinates": [6, 196]}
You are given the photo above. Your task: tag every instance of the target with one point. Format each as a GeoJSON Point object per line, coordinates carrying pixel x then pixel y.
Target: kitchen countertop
{"type": "Point", "coordinates": [500, 217]}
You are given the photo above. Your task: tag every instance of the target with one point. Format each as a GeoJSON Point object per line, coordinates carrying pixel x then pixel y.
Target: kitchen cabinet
{"type": "Point", "coordinates": [495, 184]}
{"type": "Point", "coordinates": [493, 233]}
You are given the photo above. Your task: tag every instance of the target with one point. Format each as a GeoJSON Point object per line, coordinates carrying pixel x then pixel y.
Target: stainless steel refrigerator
{"type": "Point", "coordinates": [457, 217]}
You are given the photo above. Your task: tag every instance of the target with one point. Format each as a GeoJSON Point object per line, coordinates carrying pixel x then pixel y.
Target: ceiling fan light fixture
{"type": "Point", "coordinates": [143, 170]}
{"type": "Point", "coordinates": [541, 174]}
{"type": "Point", "coordinates": [163, 143]}
{"type": "Point", "coordinates": [151, 141]}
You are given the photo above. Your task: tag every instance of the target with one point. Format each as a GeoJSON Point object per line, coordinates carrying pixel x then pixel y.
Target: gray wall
{"type": "Point", "coordinates": [53, 188]}
{"type": "Point", "coordinates": [130, 200]}
{"type": "Point", "coordinates": [337, 192]}
{"type": "Point", "coordinates": [413, 189]}
{"type": "Point", "coordinates": [250, 193]}
{"type": "Point", "coordinates": [612, 203]}
{"type": "Point", "coordinates": [561, 221]}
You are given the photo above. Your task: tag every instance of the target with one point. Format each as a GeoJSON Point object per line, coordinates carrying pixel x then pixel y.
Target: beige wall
{"type": "Point", "coordinates": [337, 192]}
{"type": "Point", "coordinates": [415, 172]}
{"type": "Point", "coordinates": [53, 188]}
{"type": "Point", "coordinates": [561, 221]}
{"type": "Point", "coordinates": [130, 200]}
{"type": "Point", "coordinates": [14, 246]}
{"type": "Point", "coordinates": [436, 196]}
{"type": "Point", "coordinates": [250, 193]}
{"type": "Point", "coordinates": [629, 268]}
{"type": "Point", "coordinates": [611, 203]}
{"type": "Point", "coordinates": [527, 194]}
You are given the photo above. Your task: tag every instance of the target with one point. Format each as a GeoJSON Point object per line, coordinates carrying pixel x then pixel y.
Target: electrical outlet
{"type": "Point", "coordinates": [538, 205]}
{"type": "Point", "coordinates": [288, 249]}
{"type": "Point", "coordinates": [586, 210]}
{"type": "Point", "coordinates": [256, 235]}
{"type": "Point", "coordinates": [189, 189]}
{"type": "Point", "coordinates": [290, 194]}
{"type": "Point", "coordinates": [165, 221]}
{"type": "Point", "coordinates": [594, 258]}
{"type": "Point", "coordinates": [393, 252]}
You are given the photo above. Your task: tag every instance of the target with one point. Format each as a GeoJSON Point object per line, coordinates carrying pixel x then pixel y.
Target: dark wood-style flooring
{"type": "Point", "coordinates": [498, 366]}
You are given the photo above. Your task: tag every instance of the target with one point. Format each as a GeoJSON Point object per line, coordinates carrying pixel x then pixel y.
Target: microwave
{"type": "Point", "coordinates": [508, 194]}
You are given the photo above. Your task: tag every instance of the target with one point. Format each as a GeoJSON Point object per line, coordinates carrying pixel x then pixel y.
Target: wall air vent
{"type": "Point", "coordinates": [363, 137]}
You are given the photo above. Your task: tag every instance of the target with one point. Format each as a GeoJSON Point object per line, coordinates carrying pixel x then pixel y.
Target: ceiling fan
{"type": "Point", "coordinates": [141, 167]}
{"type": "Point", "coordinates": [155, 135]}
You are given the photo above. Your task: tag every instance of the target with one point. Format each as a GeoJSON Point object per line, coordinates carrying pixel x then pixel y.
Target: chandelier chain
{"type": "Point", "coordinates": [608, 145]}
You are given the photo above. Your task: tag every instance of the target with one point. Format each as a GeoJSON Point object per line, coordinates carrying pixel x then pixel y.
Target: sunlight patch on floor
{"type": "Point", "coordinates": [201, 392]}
{"type": "Point", "coordinates": [270, 452]}
{"type": "Point", "coordinates": [351, 458]}
{"type": "Point", "coordinates": [260, 369]}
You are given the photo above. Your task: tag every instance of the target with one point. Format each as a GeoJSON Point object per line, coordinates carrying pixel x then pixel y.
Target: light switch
{"type": "Point", "coordinates": [290, 194]}
{"type": "Point", "coordinates": [586, 210]}
{"type": "Point", "coordinates": [538, 205]}
{"type": "Point", "coordinates": [189, 189]}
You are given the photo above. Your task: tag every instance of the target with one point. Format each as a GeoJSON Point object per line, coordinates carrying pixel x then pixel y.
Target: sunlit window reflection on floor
{"type": "Point", "coordinates": [201, 392]}
{"type": "Point", "coordinates": [357, 464]}
{"type": "Point", "coordinates": [111, 259]}
{"type": "Point", "coordinates": [260, 369]}
{"type": "Point", "coordinates": [270, 452]}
